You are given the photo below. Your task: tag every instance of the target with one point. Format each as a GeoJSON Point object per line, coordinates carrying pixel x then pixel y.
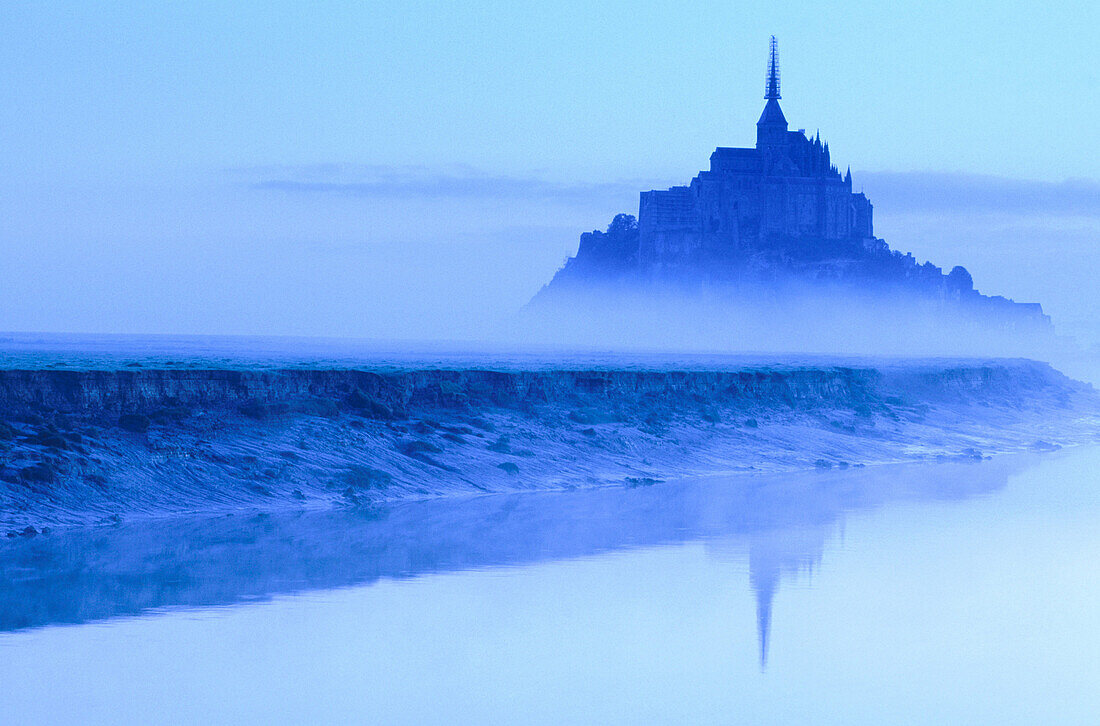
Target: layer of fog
{"type": "Point", "coordinates": [810, 319]}
{"type": "Point", "coordinates": [453, 254]}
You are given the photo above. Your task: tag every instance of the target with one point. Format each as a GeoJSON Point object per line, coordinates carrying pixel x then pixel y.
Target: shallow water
{"type": "Point", "coordinates": [923, 594]}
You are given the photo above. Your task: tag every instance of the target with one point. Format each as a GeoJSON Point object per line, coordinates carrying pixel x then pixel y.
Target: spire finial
{"type": "Point", "coordinates": [773, 71]}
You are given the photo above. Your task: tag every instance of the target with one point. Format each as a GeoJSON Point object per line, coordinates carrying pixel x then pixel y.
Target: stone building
{"type": "Point", "coordinates": [785, 188]}
{"type": "Point", "coordinates": [767, 223]}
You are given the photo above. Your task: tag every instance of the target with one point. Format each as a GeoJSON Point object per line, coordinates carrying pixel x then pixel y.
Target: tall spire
{"type": "Point", "coordinates": [771, 129]}
{"type": "Point", "coordinates": [773, 72]}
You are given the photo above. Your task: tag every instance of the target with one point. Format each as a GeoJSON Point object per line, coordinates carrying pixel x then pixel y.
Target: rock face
{"type": "Point", "coordinates": [92, 445]}
{"type": "Point", "coordinates": [767, 220]}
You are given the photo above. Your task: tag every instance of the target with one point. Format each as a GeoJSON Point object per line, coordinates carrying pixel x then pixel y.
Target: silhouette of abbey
{"type": "Point", "coordinates": [784, 187]}
{"type": "Point", "coordinates": [769, 217]}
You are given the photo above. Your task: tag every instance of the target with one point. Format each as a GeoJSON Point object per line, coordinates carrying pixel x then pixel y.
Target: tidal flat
{"type": "Point", "coordinates": [92, 436]}
{"type": "Point", "coordinates": [957, 592]}
{"type": "Point", "coordinates": [235, 534]}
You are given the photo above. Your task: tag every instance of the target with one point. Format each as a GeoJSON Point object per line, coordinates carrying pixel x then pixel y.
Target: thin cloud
{"type": "Point", "coordinates": [922, 192]}
{"type": "Point", "coordinates": [892, 192]}
{"type": "Point", "coordinates": [419, 183]}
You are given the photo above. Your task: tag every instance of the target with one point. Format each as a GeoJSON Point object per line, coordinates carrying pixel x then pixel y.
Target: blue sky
{"type": "Point", "coordinates": [353, 168]}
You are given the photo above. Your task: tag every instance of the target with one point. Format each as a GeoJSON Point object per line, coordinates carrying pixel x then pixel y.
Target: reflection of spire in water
{"type": "Point", "coordinates": [764, 583]}
{"type": "Point", "coordinates": [781, 523]}
{"type": "Point", "coordinates": [773, 553]}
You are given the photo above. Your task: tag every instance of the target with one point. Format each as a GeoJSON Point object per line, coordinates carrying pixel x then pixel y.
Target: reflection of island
{"type": "Point", "coordinates": [803, 515]}
{"type": "Point", "coordinates": [782, 522]}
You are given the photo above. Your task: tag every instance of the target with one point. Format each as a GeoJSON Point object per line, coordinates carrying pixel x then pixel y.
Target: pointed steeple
{"type": "Point", "coordinates": [773, 72]}
{"type": "Point", "coordinates": [848, 177]}
{"type": "Point", "coordinates": [771, 129]}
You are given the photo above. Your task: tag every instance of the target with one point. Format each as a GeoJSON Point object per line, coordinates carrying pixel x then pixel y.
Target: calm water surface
{"type": "Point", "coordinates": [933, 594]}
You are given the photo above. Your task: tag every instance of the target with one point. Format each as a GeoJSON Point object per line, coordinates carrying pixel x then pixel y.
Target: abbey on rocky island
{"type": "Point", "coordinates": [769, 220]}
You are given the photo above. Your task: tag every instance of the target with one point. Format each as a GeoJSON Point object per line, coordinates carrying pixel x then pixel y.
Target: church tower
{"type": "Point", "coordinates": [771, 129]}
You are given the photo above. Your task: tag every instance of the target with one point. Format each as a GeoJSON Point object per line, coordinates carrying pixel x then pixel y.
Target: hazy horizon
{"type": "Point", "coordinates": [417, 172]}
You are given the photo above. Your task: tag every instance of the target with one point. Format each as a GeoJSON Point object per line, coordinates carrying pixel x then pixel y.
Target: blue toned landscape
{"type": "Point", "coordinates": [512, 363]}
{"type": "Point", "coordinates": [947, 593]}
{"type": "Point", "coordinates": [99, 431]}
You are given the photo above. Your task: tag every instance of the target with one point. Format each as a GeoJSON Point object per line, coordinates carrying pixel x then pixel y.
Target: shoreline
{"type": "Point", "coordinates": [81, 447]}
{"type": "Point", "coordinates": [216, 561]}
{"type": "Point", "coordinates": [316, 507]}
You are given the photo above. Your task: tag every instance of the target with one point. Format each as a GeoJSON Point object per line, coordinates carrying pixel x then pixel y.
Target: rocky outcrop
{"type": "Point", "coordinates": [834, 272]}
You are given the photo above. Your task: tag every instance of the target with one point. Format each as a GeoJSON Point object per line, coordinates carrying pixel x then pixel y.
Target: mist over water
{"type": "Point", "coordinates": [467, 267]}
{"type": "Point", "coordinates": [787, 321]}
{"type": "Point", "coordinates": [791, 319]}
